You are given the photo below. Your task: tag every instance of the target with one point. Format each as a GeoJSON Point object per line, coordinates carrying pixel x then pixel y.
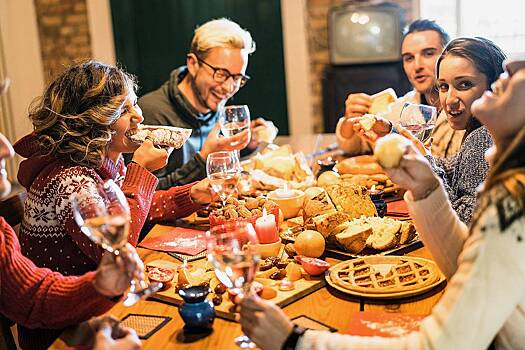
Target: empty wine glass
{"type": "Point", "coordinates": [223, 170]}
{"type": "Point", "coordinates": [234, 119]}
{"type": "Point", "coordinates": [418, 119]}
{"type": "Point", "coordinates": [103, 215]}
{"type": "Point", "coordinates": [232, 250]}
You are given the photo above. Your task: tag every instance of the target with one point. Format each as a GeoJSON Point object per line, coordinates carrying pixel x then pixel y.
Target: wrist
{"type": "Point", "coordinates": [293, 338]}
{"type": "Point", "coordinates": [424, 193]}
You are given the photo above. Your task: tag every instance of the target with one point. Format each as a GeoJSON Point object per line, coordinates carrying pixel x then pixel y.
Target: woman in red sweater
{"type": "Point", "coordinates": [81, 127]}
{"type": "Point", "coordinates": [37, 297]}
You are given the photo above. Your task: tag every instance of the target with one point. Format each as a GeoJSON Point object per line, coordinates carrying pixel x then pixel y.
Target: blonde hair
{"type": "Point", "coordinates": [220, 33]}
{"type": "Point", "coordinates": [73, 118]}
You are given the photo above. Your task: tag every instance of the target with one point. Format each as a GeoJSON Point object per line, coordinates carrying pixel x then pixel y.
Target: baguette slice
{"type": "Point", "coordinates": [353, 238]}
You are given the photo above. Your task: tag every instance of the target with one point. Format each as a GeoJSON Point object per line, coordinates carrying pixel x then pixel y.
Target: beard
{"type": "Point", "coordinates": [197, 92]}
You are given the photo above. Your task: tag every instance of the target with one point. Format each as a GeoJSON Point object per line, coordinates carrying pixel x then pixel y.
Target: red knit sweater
{"type": "Point", "coordinates": [49, 234]}
{"type": "Point", "coordinates": [36, 297]}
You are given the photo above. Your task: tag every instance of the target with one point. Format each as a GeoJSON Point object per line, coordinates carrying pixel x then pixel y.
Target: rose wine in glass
{"type": "Point", "coordinates": [419, 119]}
{"type": "Point", "coordinates": [223, 170]}
{"type": "Point", "coordinates": [232, 249]}
{"type": "Point", "coordinates": [234, 119]}
{"type": "Point", "coordinates": [103, 215]}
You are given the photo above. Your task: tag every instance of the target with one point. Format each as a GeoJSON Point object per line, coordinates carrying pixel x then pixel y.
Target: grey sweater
{"type": "Point", "coordinates": [464, 172]}
{"type": "Point", "coordinates": [168, 106]}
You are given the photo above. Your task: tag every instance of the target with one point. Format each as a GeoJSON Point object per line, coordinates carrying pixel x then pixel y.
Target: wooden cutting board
{"type": "Point", "coordinates": [303, 287]}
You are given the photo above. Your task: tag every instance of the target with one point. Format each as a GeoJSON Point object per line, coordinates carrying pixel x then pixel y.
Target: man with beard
{"type": "Point", "coordinates": [215, 70]}
{"type": "Point", "coordinates": [422, 44]}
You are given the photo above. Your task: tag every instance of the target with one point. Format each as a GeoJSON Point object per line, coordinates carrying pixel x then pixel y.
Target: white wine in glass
{"type": "Point", "coordinates": [232, 250]}
{"type": "Point", "coordinates": [234, 119]}
{"type": "Point", "coordinates": [103, 215]}
{"type": "Point", "coordinates": [419, 119]}
{"type": "Point", "coordinates": [223, 170]}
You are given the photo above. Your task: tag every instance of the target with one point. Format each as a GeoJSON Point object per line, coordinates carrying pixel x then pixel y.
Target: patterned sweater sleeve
{"type": "Point", "coordinates": [138, 186]}
{"type": "Point", "coordinates": [39, 298]}
{"type": "Point", "coordinates": [472, 311]}
{"type": "Point", "coordinates": [172, 204]}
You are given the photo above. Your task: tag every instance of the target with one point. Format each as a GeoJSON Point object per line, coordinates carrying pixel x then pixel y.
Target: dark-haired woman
{"type": "Point", "coordinates": [485, 298]}
{"type": "Point", "coordinates": [465, 69]}
{"type": "Point", "coordinates": [81, 127]}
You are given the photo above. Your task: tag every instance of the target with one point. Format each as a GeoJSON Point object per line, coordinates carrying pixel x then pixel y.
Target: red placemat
{"type": "Point", "coordinates": [383, 324]}
{"type": "Point", "coordinates": [397, 208]}
{"type": "Point", "coordinates": [179, 240]}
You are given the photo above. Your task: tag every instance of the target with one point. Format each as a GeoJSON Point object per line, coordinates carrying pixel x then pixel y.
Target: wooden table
{"type": "Point", "coordinates": [326, 305]}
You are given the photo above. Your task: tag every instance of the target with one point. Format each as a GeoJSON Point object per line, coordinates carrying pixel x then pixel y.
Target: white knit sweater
{"type": "Point", "coordinates": [485, 297]}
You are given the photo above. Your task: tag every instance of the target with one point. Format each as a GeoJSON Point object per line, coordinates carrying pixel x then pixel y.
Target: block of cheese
{"type": "Point", "coordinates": [382, 100]}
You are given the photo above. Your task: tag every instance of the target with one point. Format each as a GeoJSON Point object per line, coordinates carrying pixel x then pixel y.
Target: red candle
{"type": "Point", "coordinates": [266, 229]}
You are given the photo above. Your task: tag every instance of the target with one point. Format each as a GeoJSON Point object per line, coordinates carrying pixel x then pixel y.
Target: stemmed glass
{"type": "Point", "coordinates": [223, 169]}
{"type": "Point", "coordinates": [418, 119]}
{"type": "Point", "coordinates": [104, 217]}
{"type": "Point", "coordinates": [234, 119]}
{"type": "Point", "coordinates": [232, 250]}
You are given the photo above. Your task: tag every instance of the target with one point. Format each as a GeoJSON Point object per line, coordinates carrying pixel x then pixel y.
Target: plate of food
{"type": "Point", "coordinates": [385, 277]}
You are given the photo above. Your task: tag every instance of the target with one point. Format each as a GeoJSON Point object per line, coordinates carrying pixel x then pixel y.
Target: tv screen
{"type": "Point", "coordinates": [365, 34]}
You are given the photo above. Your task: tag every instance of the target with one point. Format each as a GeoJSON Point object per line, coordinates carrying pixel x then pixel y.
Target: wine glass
{"type": "Point", "coordinates": [234, 119]}
{"type": "Point", "coordinates": [418, 119]}
{"type": "Point", "coordinates": [103, 215]}
{"type": "Point", "coordinates": [232, 250]}
{"type": "Point", "coordinates": [223, 169]}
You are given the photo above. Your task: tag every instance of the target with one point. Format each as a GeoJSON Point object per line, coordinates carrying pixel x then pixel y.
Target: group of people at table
{"type": "Point", "coordinates": [465, 191]}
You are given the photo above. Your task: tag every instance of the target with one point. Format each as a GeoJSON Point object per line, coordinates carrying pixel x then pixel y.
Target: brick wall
{"type": "Point", "coordinates": [317, 32]}
{"type": "Point", "coordinates": [64, 34]}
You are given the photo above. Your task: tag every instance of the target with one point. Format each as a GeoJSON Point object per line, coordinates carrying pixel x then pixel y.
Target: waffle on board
{"type": "Point", "coordinates": [381, 275]}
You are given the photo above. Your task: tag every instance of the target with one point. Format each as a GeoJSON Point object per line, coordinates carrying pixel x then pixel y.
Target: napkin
{"type": "Point", "coordinates": [397, 208]}
{"type": "Point", "coordinates": [178, 240]}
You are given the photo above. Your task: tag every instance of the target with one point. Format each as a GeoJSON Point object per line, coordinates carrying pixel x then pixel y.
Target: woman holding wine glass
{"type": "Point", "coordinates": [466, 68]}
{"type": "Point", "coordinates": [82, 125]}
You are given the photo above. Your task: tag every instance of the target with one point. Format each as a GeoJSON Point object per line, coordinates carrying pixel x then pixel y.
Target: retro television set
{"type": "Point", "coordinates": [365, 33]}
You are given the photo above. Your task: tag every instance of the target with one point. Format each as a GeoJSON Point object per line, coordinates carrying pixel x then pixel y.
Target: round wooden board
{"type": "Point", "coordinates": [393, 295]}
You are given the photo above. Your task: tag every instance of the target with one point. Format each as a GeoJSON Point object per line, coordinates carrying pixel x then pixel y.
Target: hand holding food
{"type": "Point", "coordinates": [263, 130]}
{"type": "Point", "coordinates": [150, 157]}
{"type": "Point", "coordinates": [357, 104]}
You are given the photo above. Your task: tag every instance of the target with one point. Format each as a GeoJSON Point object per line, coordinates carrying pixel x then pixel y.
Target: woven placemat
{"type": "Point", "coordinates": [145, 325]}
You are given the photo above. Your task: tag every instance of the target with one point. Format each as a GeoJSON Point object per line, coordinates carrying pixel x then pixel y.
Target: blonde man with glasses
{"type": "Point", "coordinates": [215, 70]}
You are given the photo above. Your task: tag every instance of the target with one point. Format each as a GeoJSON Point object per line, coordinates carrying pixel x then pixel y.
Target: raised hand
{"type": "Point", "coordinates": [215, 143]}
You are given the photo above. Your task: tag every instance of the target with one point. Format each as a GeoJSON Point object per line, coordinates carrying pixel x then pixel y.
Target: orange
{"type": "Point", "coordinates": [310, 243]}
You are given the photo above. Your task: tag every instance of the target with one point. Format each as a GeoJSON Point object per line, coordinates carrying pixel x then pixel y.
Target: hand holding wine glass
{"type": "Point", "coordinates": [223, 170]}
{"type": "Point", "coordinates": [418, 119]}
{"type": "Point", "coordinates": [103, 215]}
{"type": "Point", "coordinates": [232, 249]}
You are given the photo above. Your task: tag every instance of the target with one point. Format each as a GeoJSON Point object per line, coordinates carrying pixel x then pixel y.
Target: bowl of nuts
{"type": "Point", "coordinates": [248, 209]}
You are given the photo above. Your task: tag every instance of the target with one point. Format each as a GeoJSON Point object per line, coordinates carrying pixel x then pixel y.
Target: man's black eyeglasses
{"type": "Point", "coordinates": [220, 75]}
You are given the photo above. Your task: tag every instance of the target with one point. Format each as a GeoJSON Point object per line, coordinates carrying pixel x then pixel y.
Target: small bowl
{"type": "Point", "coordinates": [289, 205]}
{"type": "Point", "coordinates": [269, 249]}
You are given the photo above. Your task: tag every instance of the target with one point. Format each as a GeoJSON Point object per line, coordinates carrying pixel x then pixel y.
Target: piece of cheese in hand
{"type": "Point", "coordinates": [382, 100]}
{"type": "Point", "coordinates": [390, 149]}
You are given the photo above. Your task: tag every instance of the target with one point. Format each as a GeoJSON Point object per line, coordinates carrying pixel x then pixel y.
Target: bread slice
{"type": "Point", "coordinates": [386, 233]}
{"type": "Point", "coordinates": [407, 232]}
{"type": "Point", "coordinates": [353, 238]}
{"type": "Point", "coordinates": [326, 223]}
{"type": "Point", "coordinates": [367, 122]}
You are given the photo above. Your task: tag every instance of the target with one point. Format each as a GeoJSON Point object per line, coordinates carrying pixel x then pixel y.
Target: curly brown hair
{"type": "Point", "coordinates": [73, 117]}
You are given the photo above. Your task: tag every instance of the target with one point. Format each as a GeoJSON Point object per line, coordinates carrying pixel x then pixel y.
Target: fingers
{"type": "Point", "coordinates": [235, 142]}
{"type": "Point", "coordinates": [357, 104]}
{"type": "Point", "coordinates": [130, 341]}
{"type": "Point", "coordinates": [103, 335]}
